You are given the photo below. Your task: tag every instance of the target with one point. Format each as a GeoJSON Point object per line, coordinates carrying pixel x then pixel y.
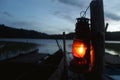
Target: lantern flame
{"type": "Point", "coordinates": [79, 48]}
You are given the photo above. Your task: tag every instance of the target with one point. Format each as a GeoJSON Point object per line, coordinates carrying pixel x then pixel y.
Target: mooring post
{"type": "Point", "coordinates": [64, 51]}
{"type": "Point", "coordinates": [98, 37]}
{"type": "Point", "coordinates": [64, 44]}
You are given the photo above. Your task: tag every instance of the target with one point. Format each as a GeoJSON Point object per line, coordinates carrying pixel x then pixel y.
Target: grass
{"type": "Point", "coordinates": [113, 46]}
{"type": "Point", "coordinates": [6, 47]}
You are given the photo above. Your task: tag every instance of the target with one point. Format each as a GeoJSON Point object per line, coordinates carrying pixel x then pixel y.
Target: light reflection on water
{"type": "Point", "coordinates": [115, 77]}
{"type": "Point", "coordinates": [111, 52]}
{"type": "Point", "coordinates": [112, 42]}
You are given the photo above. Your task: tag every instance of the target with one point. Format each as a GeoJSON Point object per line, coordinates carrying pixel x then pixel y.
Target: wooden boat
{"type": "Point", "coordinates": [49, 69]}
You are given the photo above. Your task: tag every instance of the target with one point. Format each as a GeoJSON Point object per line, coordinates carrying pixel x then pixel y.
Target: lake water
{"type": "Point", "coordinates": [44, 45]}
{"type": "Point", "coordinates": [50, 45]}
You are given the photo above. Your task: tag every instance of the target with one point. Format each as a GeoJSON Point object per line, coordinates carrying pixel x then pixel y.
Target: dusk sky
{"type": "Point", "coordinates": [53, 16]}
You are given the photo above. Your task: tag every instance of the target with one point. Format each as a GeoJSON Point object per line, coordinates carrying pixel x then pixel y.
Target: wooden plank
{"type": "Point", "coordinates": [112, 59]}
{"type": "Point", "coordinates": [57, 75]}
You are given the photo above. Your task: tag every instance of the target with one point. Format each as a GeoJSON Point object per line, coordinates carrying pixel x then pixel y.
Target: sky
{"type": "Point", "coordinates": [53, 16]}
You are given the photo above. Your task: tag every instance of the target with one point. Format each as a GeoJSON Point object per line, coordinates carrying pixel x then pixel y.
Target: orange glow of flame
{"type": "Point", "coordinates": [79, 48]}
{"type": "Point", "coordinates": [92, 56]}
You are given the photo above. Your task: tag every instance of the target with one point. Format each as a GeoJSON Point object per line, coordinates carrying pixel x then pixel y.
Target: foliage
{"type": "Point", "coordinates": [9, 32]}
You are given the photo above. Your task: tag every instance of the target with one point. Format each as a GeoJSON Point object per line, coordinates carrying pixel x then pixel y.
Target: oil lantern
{"type": "Point", "coordinates": [81, 47]}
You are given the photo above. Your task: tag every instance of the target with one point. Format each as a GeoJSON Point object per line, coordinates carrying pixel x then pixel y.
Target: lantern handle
{"type": "Point", "coordinates": [84, 12]}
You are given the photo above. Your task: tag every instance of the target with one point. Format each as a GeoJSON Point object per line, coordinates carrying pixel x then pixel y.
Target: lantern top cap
{"type": "Point", "coordinates": [82, 18]}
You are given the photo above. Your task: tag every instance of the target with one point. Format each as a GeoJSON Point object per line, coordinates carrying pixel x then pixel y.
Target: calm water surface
{"type": "Point", "coordinates": [50, 45]}
{"type": "Point", "coordinates": [44, 45]}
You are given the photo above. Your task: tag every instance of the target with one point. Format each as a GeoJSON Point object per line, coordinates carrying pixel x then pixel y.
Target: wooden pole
{"type": "Point", "coordinates": [98, 38]}
{"type": "Point", "coordinates": [64, 51]}
{"type": "Point", "coordinates": [106, 26]}
{"type": "Point", "coordinates": [59, 47]}
{"type": "Point", "coordinates": [64, 43]}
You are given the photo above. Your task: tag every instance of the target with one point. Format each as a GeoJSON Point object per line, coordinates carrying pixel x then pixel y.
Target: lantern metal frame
{"type": "Point", "coordinates": [81, 63]}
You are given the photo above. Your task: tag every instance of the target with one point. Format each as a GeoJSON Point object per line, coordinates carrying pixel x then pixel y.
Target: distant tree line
{"type": "Point", "coordinates": [8, 32]}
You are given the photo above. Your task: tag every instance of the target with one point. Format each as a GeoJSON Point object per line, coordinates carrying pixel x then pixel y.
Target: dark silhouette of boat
{"type": "Point", "coordinates": [33, 66]}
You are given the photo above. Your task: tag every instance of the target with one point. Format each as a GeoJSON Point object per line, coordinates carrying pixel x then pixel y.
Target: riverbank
{"type": "Point", "coordinates": [112, 59]}
{"type": "Point", "coordinates": [9, 49]}
{"type": "Point", "coordinates": [112, 66]}
{"type": "Point", "coordinates": [113, 47]}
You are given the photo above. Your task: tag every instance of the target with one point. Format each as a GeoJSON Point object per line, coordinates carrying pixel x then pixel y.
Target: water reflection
{"type": "Point", "coordinates": [111, 52]}
{"type": "Point", "coordinates": [115, 77]}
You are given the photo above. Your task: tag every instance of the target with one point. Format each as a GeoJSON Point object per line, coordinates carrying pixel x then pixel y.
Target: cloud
{"type": "Point", "coordinates": [112, 16]}
{"type": "Point", "coordinates": [6, 14]}
{"type": "Point", "coordinates": [64, 16]}
{"type": "Point", "coordinates": [73, 2]}
{"type": "Point", "coordinates": [23, 23]}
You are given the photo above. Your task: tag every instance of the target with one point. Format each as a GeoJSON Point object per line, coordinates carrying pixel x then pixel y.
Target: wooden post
{"type": "Point", "coordinates": [64, 43]}
{"type": "Point", "coordinates": [106, 26]}
{"type": "Point", "coordinates": [98, 38]}
{"type": "Point", "coordinates": [64, 51]}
